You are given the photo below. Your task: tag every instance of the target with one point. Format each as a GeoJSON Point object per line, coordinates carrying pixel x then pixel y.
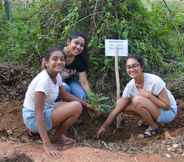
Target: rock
{"type": "Point", "coordinates": [24, 139]}
{"type": "Point", "coordinates": [175, 145]}
{"type": "Point", "coordinates": [167, 135]}
{"type": "Point", "coordinates": [179, 151]}
{"type": "Point", "coordinates": [9, 131]}
{"type": "Point", "coordinates": [169, 148]}
{"type": "Point", "coordinates": [140, 136]}
{"type": "Point", "coordinates": [168, 155]}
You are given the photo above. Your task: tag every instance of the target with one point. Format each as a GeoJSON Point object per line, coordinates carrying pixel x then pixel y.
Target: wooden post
{"type": "Point", "coordinates": [116, 47]}
{"type": "Point", "coordinates": [120, 116]}
{"type": "Point", "coordinates": [117, 75]}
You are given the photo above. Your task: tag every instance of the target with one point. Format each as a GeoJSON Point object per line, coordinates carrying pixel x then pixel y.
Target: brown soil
{"type": "Point", "coordinates": [117, 145]}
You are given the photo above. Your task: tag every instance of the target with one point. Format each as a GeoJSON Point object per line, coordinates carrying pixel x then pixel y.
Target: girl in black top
{"type": "Point", "coordinates": [75, 72]}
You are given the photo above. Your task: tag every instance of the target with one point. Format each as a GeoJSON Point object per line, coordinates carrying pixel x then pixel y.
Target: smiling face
{"type": "Point", "coordinates": [133, 68]}
{"type": "Point", "coordinates": [76, 45]}
{"type": "Point", "coordinates": [55, 62]}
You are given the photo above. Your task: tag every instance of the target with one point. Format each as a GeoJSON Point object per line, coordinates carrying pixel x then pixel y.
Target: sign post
{"type": "Point", "coordinates": [116, 47]}
{"type": "Point", "coordinates": [117, 76]}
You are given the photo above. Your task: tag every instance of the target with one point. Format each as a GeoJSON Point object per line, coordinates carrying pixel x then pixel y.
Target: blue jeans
{"type": "Point", "coordinates": [75, 89]}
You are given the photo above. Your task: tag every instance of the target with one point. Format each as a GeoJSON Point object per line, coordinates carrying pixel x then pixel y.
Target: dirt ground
{"type": "Point", "coordinates": [122, 144]}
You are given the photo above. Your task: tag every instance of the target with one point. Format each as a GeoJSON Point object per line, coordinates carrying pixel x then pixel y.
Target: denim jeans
{"type": "Point", "coordinates": [29, 118]}
{"type": "Point", "coordinates": [75, 89]}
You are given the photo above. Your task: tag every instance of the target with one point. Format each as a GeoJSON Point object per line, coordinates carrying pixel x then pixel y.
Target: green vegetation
{"type": "Point", "coordinates": [100, 102]}
{"type": "Point", "coordinates": [157, 34]}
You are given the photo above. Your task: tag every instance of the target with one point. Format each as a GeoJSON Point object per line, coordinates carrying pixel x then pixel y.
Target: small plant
{"type": "Point", "coordinates": [99, 102]}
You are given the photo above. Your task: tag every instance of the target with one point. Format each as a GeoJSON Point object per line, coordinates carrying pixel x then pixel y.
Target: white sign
{"type": "Point", "coordinates": [113, 46]}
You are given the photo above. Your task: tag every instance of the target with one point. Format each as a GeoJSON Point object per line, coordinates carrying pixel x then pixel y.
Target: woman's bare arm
{"type": "Point", "coordinates": [39, 107]}
{"type": "Point", "coordinates": [84, 81]}
{"type": "Point", "coordinates": [120, 106]}
{"type": "Point", "coordinates": [161, 101]}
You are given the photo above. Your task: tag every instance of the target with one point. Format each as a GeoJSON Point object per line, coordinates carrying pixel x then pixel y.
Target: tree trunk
{"type": "Point", "coordinates": [7, 6]}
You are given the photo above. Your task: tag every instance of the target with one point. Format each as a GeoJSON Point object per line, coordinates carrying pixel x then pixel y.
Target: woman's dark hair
{"type": "Point", "coordinates": [139, 59]}
{"type": "Point", "coordinates": [74, 35]}
{"type": "Point", "coordinates": [47, 54]}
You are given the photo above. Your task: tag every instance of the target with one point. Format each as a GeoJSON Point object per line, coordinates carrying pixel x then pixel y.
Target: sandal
{"type": "Point", "coordinates": [32, 135]}
{"type": "Point", "coordinates": [149, 132]}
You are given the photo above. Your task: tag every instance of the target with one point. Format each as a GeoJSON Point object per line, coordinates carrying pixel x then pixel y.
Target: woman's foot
{"type": "Point", "coordinates": [32, 135]}
{"type": "Point", "coordinates": [64, 140]}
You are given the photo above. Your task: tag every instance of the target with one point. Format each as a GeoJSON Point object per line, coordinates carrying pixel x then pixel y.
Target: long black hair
{"type": "Point", "coordinates": [84, 53]}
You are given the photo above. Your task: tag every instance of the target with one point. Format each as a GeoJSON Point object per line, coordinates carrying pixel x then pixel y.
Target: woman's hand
{"type": "Point", "coordinates": [100, 132]}
{"type": "Point", "coordinates": [90, 108]}
{"type": "Point", "coordinates": [51, 150]}
{"type": "Point", "coordinates": [87, 105]}
{"type": "Point", "coordinates": [144, 93]}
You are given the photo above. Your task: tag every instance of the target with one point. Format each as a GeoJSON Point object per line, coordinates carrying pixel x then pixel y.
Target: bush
{"type": "Point", "coordinates": [155, 34]}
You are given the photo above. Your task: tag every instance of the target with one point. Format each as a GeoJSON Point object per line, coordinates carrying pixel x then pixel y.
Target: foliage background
{"type": "Point", "coordinates": [155, 33]}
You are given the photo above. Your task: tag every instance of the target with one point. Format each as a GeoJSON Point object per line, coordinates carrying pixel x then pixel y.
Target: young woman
{"type": "Point", "coordinates": [41, 113]}
{"type": "Point", "coordinates": [146, 95]}
{"type": "Point", "coordinates": [75, 72]}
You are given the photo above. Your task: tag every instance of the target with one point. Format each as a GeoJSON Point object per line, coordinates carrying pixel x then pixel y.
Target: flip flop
{"type": "Point", "coordinates": [149, 132]}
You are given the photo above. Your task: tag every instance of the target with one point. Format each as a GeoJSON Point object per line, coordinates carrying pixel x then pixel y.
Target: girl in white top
{"type": "Point", "coordinates": [41, 113]}
{"type": "Point", "coordinates": [146, 95]}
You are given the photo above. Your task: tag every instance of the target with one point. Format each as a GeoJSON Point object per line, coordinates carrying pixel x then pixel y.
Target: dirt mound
{"type": "Point", "coordinates": [11, 125]}
{"type": "Point", "coordinates": [32, 152]}
{"type": "Point", "coordinates": [168, 144]}
{"type": "Point", "coordinates": [14, 80]}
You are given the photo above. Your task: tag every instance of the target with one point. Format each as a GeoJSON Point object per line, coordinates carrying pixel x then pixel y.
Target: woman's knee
{"type": "Point", "coordinates": [142, 102]}
{"type": "Point", "coordinates": [138, 101]}
{"type": "Point", "coordinates": [77, 108]}
{"type": "Point", "coordinates": [119, 101]}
